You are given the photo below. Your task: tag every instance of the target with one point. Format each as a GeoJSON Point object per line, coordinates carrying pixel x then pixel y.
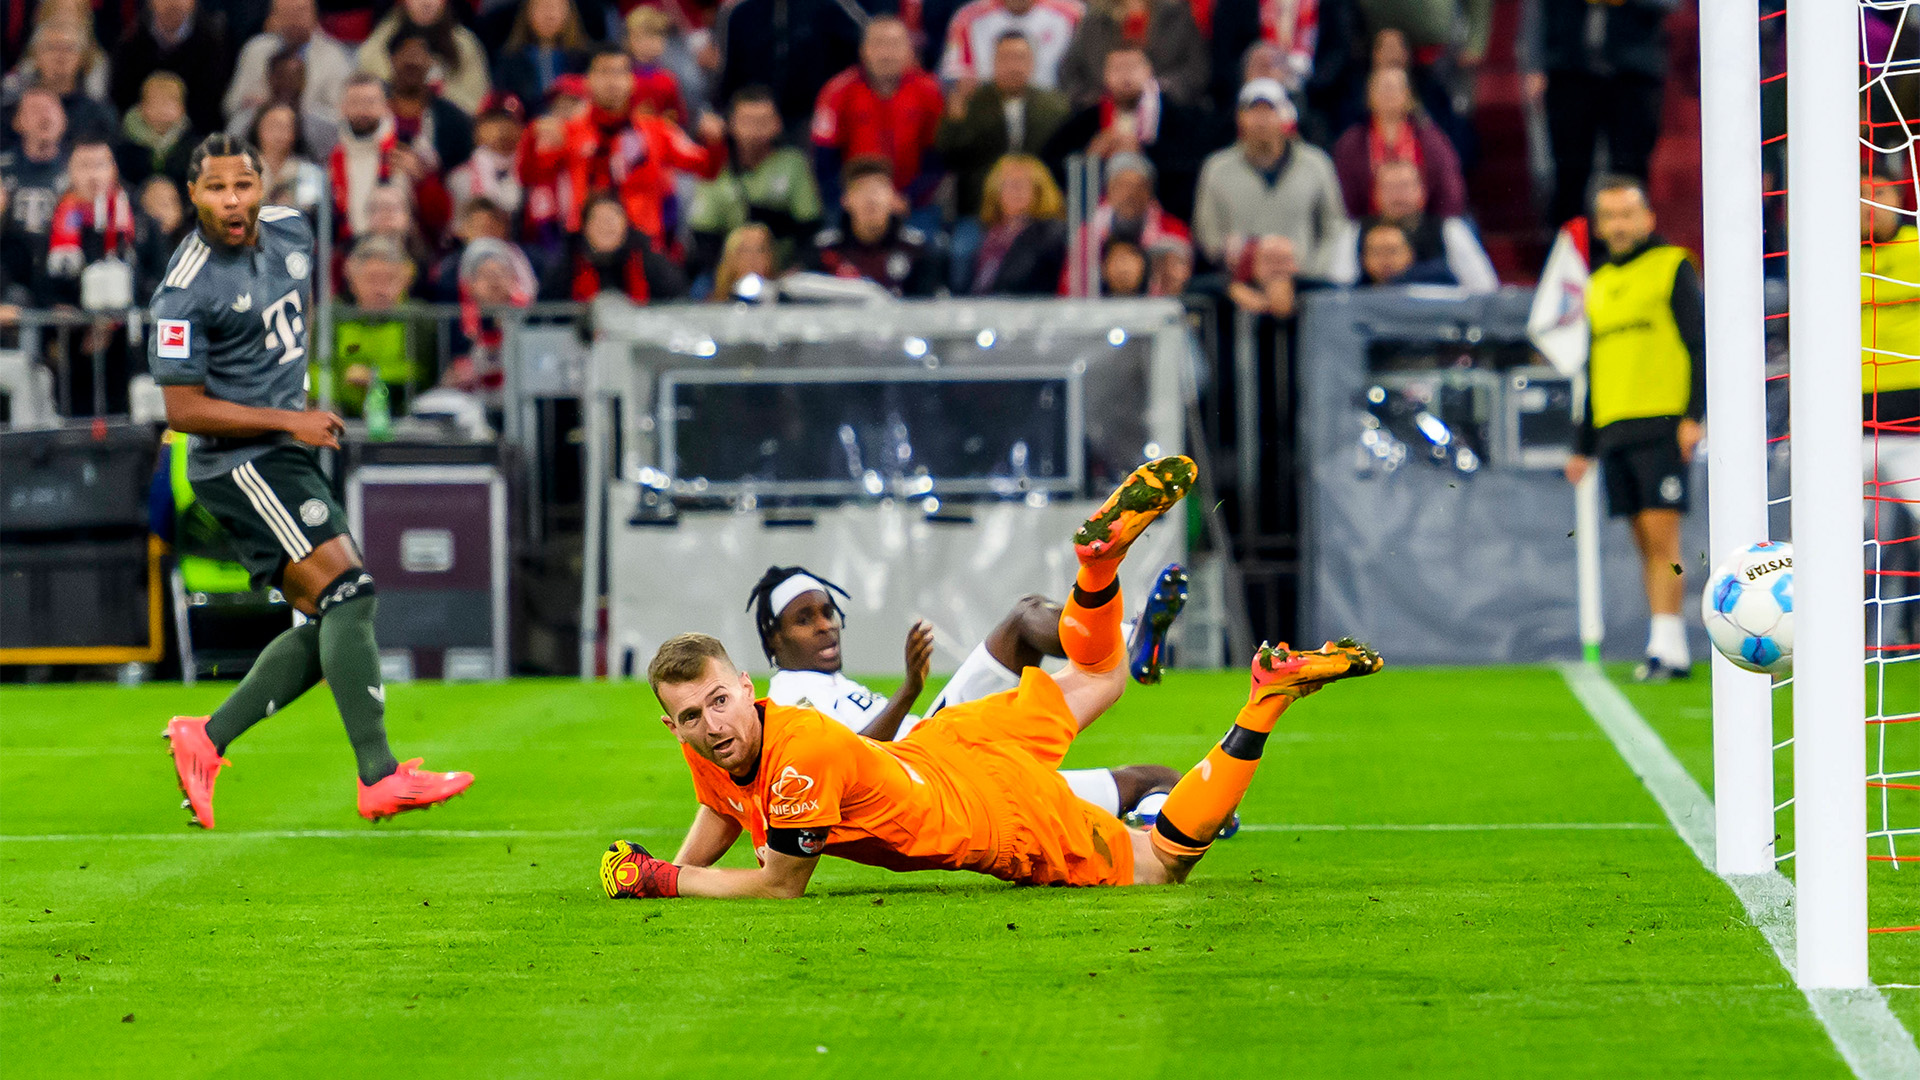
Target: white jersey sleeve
{"type": "Point", "coordinates": [830, 693]}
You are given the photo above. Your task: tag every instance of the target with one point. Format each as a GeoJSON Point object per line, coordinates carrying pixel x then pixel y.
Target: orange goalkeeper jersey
{"type": "Point", "coordinates": [973, 788]}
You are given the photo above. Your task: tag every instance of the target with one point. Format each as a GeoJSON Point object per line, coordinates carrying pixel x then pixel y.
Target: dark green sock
{"type": "Point", "coordinates": [287, 668]}
{"type": "Point", "coordinates": [351, 662]}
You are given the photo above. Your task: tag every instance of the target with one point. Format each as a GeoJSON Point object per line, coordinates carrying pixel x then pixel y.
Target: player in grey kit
{"type": "Point", "coordinates": [229, 347]}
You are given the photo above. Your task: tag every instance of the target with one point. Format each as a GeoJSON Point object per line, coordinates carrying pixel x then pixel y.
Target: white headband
{"type": "Point", "coordinates": [792, 589]}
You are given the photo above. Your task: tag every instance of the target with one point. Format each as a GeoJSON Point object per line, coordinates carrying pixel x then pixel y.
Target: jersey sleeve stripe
{"type": "Point", "coordinates": [278, 213]}
{"type": "Point", "coordinates": [272, 511]}
{"type": "Point", "coordinates": [190, 263]}
{"type": "Point", "coordinates": [188, 257]}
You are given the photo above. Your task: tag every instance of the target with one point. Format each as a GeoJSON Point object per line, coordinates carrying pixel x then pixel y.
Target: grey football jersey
{"type": "Point", "coordinates": [235, 321]}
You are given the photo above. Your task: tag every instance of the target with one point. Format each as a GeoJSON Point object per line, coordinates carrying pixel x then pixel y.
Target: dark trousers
{"type": "Point", "coordinates": [1582, 107]}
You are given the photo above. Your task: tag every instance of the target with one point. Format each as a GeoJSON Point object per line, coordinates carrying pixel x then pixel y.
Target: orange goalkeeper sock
{"type": "Point", "coordinates": [1090, 632]}
{"type": "Point", "coordinates": [1206, 797]}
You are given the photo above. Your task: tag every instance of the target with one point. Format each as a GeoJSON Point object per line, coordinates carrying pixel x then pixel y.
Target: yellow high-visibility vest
{"type": "Point", "coordinates": [1637, 365]}
{"type": "Point", "coordinates": [1890, 313]}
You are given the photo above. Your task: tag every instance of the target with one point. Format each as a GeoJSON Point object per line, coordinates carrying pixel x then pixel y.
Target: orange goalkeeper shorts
{"type": "Point", "coordinates": [1008, 748]}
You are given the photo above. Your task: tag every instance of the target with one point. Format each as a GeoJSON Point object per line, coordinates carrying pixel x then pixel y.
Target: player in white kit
{"type": "Point", "coordinates": [800, 622]}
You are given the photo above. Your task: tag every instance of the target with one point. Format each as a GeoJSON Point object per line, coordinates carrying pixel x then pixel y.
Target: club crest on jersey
{"type": "Point", "coordinates": [792, 785]}
{"type": "Point", "coordinates": [285, 327]}
{"type": "Point", "coordinates": [174, 340]}
{"type": "Point", "coordinates": [298, 265]}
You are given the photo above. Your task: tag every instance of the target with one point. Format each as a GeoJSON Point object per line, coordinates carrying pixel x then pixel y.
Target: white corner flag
{"type": "Point", "coordinates": [1557, 324]}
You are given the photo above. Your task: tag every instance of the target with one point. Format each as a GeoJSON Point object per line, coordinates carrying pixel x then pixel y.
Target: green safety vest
{"type": "Point", "coordinates": [1638, 365]}
{"type": "Point", "coordinates": [198, 573]}
{"type": "Point", "coordinates": [383, 346]}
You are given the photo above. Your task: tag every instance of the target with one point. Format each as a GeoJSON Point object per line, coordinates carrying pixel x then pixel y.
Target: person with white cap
{"type": "Point", "coordinates": [1269, 182]}
{"type": "Point", "coordinates": [800, 623]}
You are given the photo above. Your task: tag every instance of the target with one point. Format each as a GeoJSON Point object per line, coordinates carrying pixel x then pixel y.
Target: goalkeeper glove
{"type": "Point", "coordinates": [627, 871]}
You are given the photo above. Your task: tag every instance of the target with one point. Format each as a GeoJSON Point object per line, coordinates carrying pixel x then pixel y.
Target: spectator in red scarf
{"type": "Point", "coordinates": [1395, 130]}
{"type": "Point", "coordinates": [540, 162]}
{"type": "Point", "coordinates": [369, 153]}
{"type": "Point", "coordinates": [1133, 115]}
{"type": "Point", "coordinates": [1129, 211]}
{"type": "Point", "coordinates": [1163, 29]}
{"type": "Point", "coordinates": [611, 256]}
{"type": "Point", "coordinates": [493, 275]}
{"type": "Point", "coordinates": [885, 106]}
{"type": "Point", "coordinates": [875, 243]}
{"type": "Point", "coordinates": [93, 220]}
{"type": "Point", "coordinates": [490, 171]}
{"type": "Point", "coordinates": [611, 146]}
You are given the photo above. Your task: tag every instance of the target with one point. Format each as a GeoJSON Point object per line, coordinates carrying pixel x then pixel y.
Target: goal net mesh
{"type": "Point", "coordinates": [1889, 124]}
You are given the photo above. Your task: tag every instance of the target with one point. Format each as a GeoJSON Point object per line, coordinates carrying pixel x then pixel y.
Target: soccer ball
{"type": "Point", "coordinates": [1748, 608]}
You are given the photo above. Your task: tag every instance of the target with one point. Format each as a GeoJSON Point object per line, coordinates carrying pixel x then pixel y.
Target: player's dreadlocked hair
{"type": "Point", "coordinates": [221, 144]}
{"type": "Point", "coordinates": [760, 601]}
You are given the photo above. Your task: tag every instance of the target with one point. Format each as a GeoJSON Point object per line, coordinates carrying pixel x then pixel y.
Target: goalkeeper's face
{"type": "Point", "coordinates": [714, 715]}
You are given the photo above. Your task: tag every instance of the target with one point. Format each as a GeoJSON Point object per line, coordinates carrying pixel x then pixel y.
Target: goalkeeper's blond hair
{"type": "Point", "coordinates": [683, 659]}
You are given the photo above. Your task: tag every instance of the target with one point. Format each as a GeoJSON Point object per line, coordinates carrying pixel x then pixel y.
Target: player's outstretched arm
{"type": "Point", "coordinates": [784, 877]}
{"type": "Point", "coordinates": [710, 836]}
{"type": "Point", "coordinates": [919, 661]}
{"type": "Point", "coordinates": [191, 411]}
{"type": "Point", "coordinates": [628, 871]}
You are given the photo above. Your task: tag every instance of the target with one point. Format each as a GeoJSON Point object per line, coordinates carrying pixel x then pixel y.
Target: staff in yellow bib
{"type": "Point", "coordinates": [1646, 394]}
{"type": "Point", "coordinates": [1890, 356]}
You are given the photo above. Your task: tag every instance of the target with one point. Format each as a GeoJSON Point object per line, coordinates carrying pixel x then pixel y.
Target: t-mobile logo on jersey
{"type": "Point", "coordinates": [285, 327]}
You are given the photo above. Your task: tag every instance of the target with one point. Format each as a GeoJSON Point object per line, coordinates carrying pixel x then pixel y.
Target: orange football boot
{"type": "Point", "coordinates": [1152, 490]}
{"type": "Point", "coordinates": [1280, 670]}
{"type": "Point", "coordinates": [410, 788]}
{"type": "Point", "coordinates": [196, 764]}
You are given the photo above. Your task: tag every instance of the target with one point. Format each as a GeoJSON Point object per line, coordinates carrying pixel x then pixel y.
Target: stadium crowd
{"type": "Point", "coordinates": [481, 152]}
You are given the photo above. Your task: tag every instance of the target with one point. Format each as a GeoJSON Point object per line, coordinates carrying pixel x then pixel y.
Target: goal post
{"type": "Point", "coordinates": [1730, 141]}
{"type": "Point", "coordinates": [1829, 690]}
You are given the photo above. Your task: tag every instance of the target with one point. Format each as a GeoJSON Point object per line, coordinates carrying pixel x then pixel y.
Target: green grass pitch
{"type": "Point", "coordinates": [1445, 873]}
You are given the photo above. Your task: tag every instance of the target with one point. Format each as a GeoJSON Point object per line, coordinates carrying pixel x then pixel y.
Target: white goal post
{"type": "Point", "coordinates": [1829, 691]}
{"type": "Point", "coordinates": [1829, 695]}
{"type": "Point", "coordinates": [1737, 410]}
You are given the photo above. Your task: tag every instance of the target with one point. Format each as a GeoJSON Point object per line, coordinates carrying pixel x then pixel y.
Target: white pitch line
{"type": "Point", "coordinates": [197, 835]}
{"type": "Point", "coordinates": [1863, 1029]}
{"type": "Point", "coordinates": [370, 833]}
{"type": "Point", "coordinates": [1454, 826]}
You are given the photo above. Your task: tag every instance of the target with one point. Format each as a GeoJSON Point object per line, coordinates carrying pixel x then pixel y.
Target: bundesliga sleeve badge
{"type": "Point", "coordinates": [175, 339]}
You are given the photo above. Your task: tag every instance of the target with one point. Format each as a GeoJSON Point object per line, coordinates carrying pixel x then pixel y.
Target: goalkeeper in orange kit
{"type": "Point", "coordinates": [974, 787]}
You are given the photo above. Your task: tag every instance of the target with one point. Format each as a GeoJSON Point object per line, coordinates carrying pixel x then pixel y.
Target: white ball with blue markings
{"type": "Point", "coordinates": [1748, 607]}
